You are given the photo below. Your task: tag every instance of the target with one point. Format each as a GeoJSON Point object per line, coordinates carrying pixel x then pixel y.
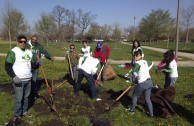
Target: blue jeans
{"type": "Point", "coordinates": [74, 70]}
{"type": "Point", "coordinates": [90, 79]}
{"type": "Point", "coordinates": [34, 87]}
{"type": "Point", "coordinates": [145, 88]}
{"type": "Point", "coordinates": [169, 81]}
{"type": "Point", "coordinates": [21, 98]}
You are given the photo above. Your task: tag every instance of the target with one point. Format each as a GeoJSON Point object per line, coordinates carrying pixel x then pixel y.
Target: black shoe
{"type": "Point", "coordinates": [17, 120]}
{"type": "Point", "coordinates": [150, 115]}
{"type": "Point", "coordinates": [75, 95]}
{"type": "Point", "coordinates": [37, 96]}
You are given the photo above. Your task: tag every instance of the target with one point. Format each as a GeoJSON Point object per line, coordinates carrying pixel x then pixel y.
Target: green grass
{"type": "Point", "coordinates": [118, 116]}
{"type": "Point", "coordinates": [118, 51]}
{"type": "Point", "coordinates": [189, 46]}
{"type": "Point", "coordinates": [183, 106]}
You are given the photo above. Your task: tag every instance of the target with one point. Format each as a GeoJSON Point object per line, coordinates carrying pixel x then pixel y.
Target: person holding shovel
{"type": "Point", "coordinates": [18, 66]}
{"type": "Point", "coordinates": [102, 52]}
{"type": "Point", "coordinates": [72, 57]}
{"type": "Point", "coordinates": [38, 51]}
{"type": "Point", "coordinates": [87, 69]}
{"type": "Point", "coordinates": [144, 82]}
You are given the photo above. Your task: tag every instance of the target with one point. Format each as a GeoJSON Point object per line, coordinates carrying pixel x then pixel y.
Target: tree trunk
{"type": "Point", "coordinates": [9, 35]}
{"type": "Point", "coordinates": [187, 37]}
{"type": "Point", "coordinates": [168, 41]}
{"type": "Point", "coordinates": [150, 41]}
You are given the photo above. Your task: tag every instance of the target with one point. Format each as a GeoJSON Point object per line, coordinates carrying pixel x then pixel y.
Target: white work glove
{"type": "Point", "coordinates": [17, 80]}
{"type": "Point", "coordinates": [67, 52]}
{"type": "Point", "coordinates": [126, 75]}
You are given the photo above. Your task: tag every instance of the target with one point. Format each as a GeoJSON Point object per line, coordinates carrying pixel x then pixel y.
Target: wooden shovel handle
{"type": "Point", "coordinates": [123, 93]}
{"type": "Point", "coordinates": [70, 67]}
{"type": "Point", "coordinates": [42, 70]}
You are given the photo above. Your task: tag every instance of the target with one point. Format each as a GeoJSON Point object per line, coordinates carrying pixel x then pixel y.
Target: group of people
{"type": "Point", "coordinates": [23, 61]}
{"type": "Point", "coordinates": [140, 72]}
{"type": "Point", "coordinates": [22, 64]}
{"type": "Point", "coordinates": [87, 65]}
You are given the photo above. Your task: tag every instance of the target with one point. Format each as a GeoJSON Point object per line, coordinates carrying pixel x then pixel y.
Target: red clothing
{"type": "Point", "coordinates": [102, 53]}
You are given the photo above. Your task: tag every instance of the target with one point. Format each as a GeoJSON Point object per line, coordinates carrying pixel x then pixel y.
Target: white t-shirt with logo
{"type": "Point", "coordinates": [173, 66]}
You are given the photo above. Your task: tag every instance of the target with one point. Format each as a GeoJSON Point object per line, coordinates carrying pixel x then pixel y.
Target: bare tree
{"type": "Point", "coordinates": [106, 31]}
{"type": "Point", "coordinates": [116, 35]}
{"type": "Point", "coordinates": [59, 14]}
{"type": "Point", "coordinates": [70, 20]}
{"type": "Point", "coordinates": [84, 20]}
{"type": "Point", "coordinates": [45, 26]}
{"type": "Point", "coordinates": [187, 15]}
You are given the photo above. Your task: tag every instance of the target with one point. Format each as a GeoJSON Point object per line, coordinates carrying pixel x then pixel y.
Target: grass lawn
{"type": "Point", "coordinates": [189, 46]}
{"type": "Point", "coordinates": [77, 111]}
{"type": "Point", "coordinates": [117, 115]}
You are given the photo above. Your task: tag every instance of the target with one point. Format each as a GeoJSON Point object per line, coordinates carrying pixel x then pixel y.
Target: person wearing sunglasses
{"type": "Point", "coordinates": [38, 51]}
{"type": "Point", "coordinates": [72, 58]}
{"type": "Point", "coordinates": [18, 64]}
{"type": "Point", "coordinates": [144, 83]}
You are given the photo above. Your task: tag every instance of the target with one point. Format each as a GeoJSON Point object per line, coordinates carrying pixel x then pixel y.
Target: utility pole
{"type": "Point", "coordinates": [177, 29]}
{"type": "Point", "coordinates": [134, 29]}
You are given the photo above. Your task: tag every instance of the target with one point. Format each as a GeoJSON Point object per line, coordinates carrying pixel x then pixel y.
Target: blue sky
{"type": "Point", "coordinates": [107, 11]}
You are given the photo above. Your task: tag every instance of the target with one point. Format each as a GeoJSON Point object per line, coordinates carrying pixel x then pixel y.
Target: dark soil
{"type": "Point", "coordinates": [69, 106]}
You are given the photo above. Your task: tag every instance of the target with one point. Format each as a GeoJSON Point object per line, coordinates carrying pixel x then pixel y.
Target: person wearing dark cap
{"type": "Point", "coordinates": [18, 64]}
{"type": "Point", "coordinates": [102, 52]}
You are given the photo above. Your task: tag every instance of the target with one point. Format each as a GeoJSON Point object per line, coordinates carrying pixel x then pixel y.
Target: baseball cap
{"type": "Point", "coordinates": [99, 44]}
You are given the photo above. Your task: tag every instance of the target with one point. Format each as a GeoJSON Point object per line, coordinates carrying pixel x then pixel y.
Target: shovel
{"type": "Point", "coordinates": [53, 107]}
{"type": "Point", "coordinates": [99, 74]}
{"type": "Point", "coordinates": [70, 67]}
{"type": "Point", "coordinates": [108, 107]}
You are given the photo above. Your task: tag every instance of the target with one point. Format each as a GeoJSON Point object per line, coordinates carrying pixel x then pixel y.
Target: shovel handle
{"type": "Point", "coordinates": [123, 93]}
{"type": "Point", "coordinates": [100, 73]}
{"type": "Point", "coordinates": [70, 67]}
{"type": "Point", "coordinates": [42, 70]}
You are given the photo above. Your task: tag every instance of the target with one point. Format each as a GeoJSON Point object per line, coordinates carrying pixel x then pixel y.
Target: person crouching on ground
{"type": "Point", "coordinates": [87, 70]}
{"type": "Point", "coordinates": [102, 52]}
{"type": "Point", "coordinates": [18, 66]}
{"type": "Point", "coordinates": [144, 82]}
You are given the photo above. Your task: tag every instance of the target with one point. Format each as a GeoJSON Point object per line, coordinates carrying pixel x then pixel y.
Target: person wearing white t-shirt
{"type": "Point", "coordinates": [87, 70]}
{"type": "Point", "coordinates": [144, 83]}
{"type": "Point", "coordinates": [170, 69]}
{"type": "Point", "coordinates": [85, 52]}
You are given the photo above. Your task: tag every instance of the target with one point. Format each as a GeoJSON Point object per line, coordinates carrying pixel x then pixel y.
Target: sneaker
{"type": "Point", "coordinates": [130, 110]}
{"type": "Point", "coordinates": [98, 99]}
{"type": "Point", "coordinates": [150, 115]}
{"type": "Point", "coordinates": [75, 95]}
{"type": "Point", "coordinates": [26, 114]}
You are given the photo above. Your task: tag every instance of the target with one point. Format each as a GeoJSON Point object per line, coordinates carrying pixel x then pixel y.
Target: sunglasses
{"type": "Point", "coordinates": [72, 48]}
{"type": "Point", "coordinates": [22, 42]}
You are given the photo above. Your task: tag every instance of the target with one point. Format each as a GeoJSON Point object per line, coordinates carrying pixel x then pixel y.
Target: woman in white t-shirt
{"type": "Point", "coordinates": [170, 69]}
{"type": "Point", "coordinates": [85, 52]}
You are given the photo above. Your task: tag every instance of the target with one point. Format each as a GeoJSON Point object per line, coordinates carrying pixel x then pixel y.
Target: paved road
{"type": "Point", "coordinates": [188, 63]}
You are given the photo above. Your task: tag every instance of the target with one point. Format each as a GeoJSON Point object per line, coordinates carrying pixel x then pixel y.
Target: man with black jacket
{"type": "Point", "coordinates": [37, 50]}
